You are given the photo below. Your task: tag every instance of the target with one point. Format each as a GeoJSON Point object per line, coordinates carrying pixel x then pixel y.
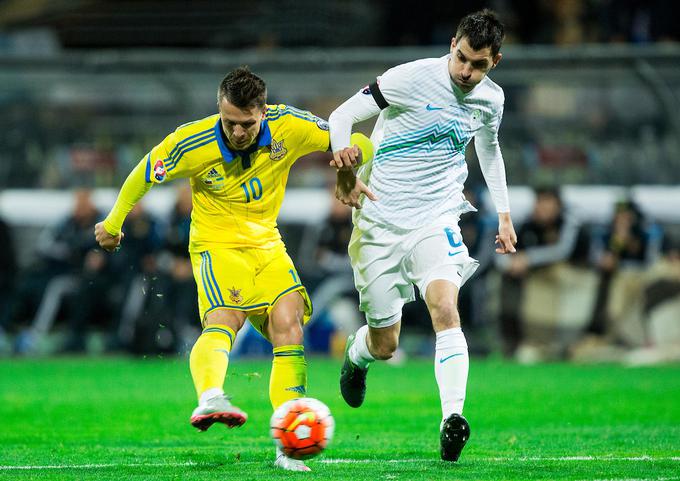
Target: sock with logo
{"type": "Point", "coordinates": [451, 365]}
{"type": "Point", "coordinates": [358, 352]}
{"type": "Point", "coordinates": [289, 374]}
{"type": "Point", "coordinates": [209, 359]}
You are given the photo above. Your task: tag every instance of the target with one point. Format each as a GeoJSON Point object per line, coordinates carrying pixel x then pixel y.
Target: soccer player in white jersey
{"type": "Point", "coordinates": [408, 234]}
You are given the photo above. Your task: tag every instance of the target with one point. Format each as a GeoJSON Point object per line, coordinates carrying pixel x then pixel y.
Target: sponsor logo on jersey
{"type": "Point", "coordinates": [213, 179]}
{"type": "Point", "coordinates": [159, 171]}
{"type": "Point", "coordinates": [235, 295]}
{"type": "Point", "coordinates": [322, 124]}
{"type": "Point", "coordinates": [278, 150]}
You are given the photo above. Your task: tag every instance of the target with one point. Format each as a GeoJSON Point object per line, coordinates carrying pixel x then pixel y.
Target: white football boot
{"type": "Point", "coordinates": [217, 409]}
{"type": "Point", "coordinates": [289, 464]}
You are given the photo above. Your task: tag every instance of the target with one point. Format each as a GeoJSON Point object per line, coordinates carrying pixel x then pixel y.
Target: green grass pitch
{"type": "Point", "coordinates": [126, 419]}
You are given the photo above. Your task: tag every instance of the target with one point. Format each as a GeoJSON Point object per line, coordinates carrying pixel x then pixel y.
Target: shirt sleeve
{"type": "Point", "coordinates": [491, 161]}
{"type": "Point", "coordinates": [154, 168]}
{"type": "Point", "coordinates": [357, 108]}
{"type": "Point", "coordinates": [313, 134]}
{"type": "Point", "coordinates": [393, 88]}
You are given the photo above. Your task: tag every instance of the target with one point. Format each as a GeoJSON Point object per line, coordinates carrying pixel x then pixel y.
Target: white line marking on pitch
{"type": "Point", "coordinates": [341, 461]}
{"type": "Point", "coordinates": [505, 460]}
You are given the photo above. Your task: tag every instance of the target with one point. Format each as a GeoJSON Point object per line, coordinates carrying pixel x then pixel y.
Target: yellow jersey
{"type": "Point", "coordinates": [237, 195]}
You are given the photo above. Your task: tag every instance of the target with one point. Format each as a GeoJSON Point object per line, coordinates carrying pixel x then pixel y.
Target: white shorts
{"type": "Point", "coordinates": [388, 262]}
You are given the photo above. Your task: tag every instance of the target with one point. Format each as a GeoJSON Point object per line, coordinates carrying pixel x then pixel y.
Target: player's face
{"type": "Point", "coordinates": [241, 126]}
{"type": "Point", "coordinates": [467, 66]}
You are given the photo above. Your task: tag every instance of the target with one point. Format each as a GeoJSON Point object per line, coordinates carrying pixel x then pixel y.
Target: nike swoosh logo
{"type": "Point", "coordinates": [454, 253]}
{"type": "Point", "coordinates": [444, 359]}
{"type": "Point", "coordinates": [430, 107]}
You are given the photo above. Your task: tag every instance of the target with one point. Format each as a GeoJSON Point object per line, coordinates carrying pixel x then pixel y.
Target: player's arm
{"type": "Point", "coordinates": [388, 90]}
{"type": "Point", "coordinates": [493, 168]}
{"type": "Point", "coordinates": [348, 187]}
{"type": "Point", "coordinates": [151, 169]}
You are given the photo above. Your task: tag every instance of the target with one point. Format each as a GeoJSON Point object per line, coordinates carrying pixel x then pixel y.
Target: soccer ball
{"type": "Point", "coordinates": [302, 427]}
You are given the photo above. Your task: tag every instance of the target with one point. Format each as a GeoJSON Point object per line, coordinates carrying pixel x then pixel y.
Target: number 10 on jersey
{"type": "Point", "coordinates": [253, 189]}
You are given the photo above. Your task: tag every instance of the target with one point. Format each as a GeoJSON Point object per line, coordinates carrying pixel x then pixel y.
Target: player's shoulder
{"type": "Point", "coordinates": [197, 129]}
{"type": "Point", "coordinates": [415, 67]}
{"type": "Point", "coordinates": [493, 92]}
{"type": "Point", "coordinates": [282, 116]}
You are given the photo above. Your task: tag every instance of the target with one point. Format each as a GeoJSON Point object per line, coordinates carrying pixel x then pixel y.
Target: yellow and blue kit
{"type": "Point", "coordinates": [238, 257]}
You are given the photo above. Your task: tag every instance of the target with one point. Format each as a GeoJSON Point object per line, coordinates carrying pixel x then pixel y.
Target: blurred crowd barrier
{"type": "Point", "coordinates": [596, 276]}
{"type": "Point", "coordinates": [586, 114]}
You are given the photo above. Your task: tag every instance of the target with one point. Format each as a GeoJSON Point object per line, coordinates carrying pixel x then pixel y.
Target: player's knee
{"type": "Point", "coordinates": [286, 325]}
{"type": "Point", "coordinates": [226, 317]}
{"type": "Point", "coordinates": [444, 315]}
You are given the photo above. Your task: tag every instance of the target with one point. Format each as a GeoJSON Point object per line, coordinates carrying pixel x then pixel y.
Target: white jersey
{"type": "Point", "coordinates": [419, 167]}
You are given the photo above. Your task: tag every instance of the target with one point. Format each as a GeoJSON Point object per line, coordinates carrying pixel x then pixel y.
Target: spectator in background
{"type": "Point", "coordinates": [131, 294]}
{"type": "Point", "coordinates": [71, 245]}
{"type": "Point", "coordinates": [62, 253]}
{"type": "Point", "coordinates": [549, 237]}
{"type": "Point", "coordinates": [180, 291]}
{"type": "Point", "coordinates": [478, 229]}
{"type": "Point", "coordinates": [625, 243]}
{"type": "Point", "coordinates": [8, 271]}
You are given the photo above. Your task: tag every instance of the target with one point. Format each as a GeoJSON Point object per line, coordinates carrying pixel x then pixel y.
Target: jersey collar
{"type": "Point", "coordinates": [264, 138]}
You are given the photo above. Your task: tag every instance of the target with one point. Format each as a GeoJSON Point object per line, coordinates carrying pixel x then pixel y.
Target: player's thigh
{"type": "Point", "coordinates": [286, 318]}
{"type": "Point", "coordinates": [378, 275]}
{"type": "Point", "coordinates": [439, 253]}
{"type": "Point", "coordinates": [225, 280]}
{"type": "Point", "coordinates": [279, 285]}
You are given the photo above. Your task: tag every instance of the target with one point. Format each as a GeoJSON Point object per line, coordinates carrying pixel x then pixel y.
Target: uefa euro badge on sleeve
{"type": "Point", "coordinates": [159, 172]}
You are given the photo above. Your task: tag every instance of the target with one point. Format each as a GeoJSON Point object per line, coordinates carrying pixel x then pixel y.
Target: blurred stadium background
{"type": "Point", "coordinates": [590, 136]}
{"type": "Point", "coordinates": [93, 371]}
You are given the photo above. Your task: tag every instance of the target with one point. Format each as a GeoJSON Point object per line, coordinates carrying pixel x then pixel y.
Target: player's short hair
{"type": "Point", "coordinates": [482, 29]}
{"type": "Point", "coordinates": [243, 89]}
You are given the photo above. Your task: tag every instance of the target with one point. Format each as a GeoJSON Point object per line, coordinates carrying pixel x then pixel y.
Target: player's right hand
{"type": "Point", "coordinates": [107, 241]}
{"type": "Point", "coordinates": [349, 189]}
{"type": "Point", "coordinates": [347, 157]}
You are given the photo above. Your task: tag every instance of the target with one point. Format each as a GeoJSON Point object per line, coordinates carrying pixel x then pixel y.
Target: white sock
{"type": "Point", "coordinates": [209, 393]}
{"type": "Point", "coordinates": [451, 363]}
{"type": "Point", "coordinates": [359, 353]}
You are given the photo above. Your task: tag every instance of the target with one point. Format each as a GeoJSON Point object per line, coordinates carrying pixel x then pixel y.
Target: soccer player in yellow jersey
{"type": "Point", "coordinates": [238, 163]}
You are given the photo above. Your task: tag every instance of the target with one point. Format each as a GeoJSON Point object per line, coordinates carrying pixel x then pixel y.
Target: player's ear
{"type": "Point", "coordinates": [453, 43]}
{"type": "Point", "coordinates": [496, 59]}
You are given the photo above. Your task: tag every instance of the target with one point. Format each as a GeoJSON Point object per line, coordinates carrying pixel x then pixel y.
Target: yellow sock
{"type": "Point", "coordinates": [210, 357]}
{"type": "Point", "coordinates": [289, 374]}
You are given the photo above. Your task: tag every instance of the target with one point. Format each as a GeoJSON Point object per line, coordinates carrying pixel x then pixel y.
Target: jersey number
{"type": "Point", "coordinates": [255, 190]}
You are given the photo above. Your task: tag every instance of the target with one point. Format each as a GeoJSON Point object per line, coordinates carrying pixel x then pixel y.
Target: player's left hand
{"type": "Point", "coordinates": [349, 187]}
{"type": "Point", "coordinates": [347, 157]}
{"type": "Point", "coordinates": [506, 238]}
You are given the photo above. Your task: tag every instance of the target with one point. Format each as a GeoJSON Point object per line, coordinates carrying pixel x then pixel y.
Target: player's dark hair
{"type": "Point", "coordinates": [482, 29]}
{"type": "Point", "coordinates": [243, 89]}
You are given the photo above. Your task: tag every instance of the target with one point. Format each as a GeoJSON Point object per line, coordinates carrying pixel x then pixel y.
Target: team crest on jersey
{"type": "Point", "coordinates": [278, 150]}
{"type": "Point", "coordinates": [235, 295]}
{"type": "Point", "coordinates": [476, 115]}
{"type": "Point", "coordinates": [159, 171]}
{"type": "Point", "coordinates": [322, 124]}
